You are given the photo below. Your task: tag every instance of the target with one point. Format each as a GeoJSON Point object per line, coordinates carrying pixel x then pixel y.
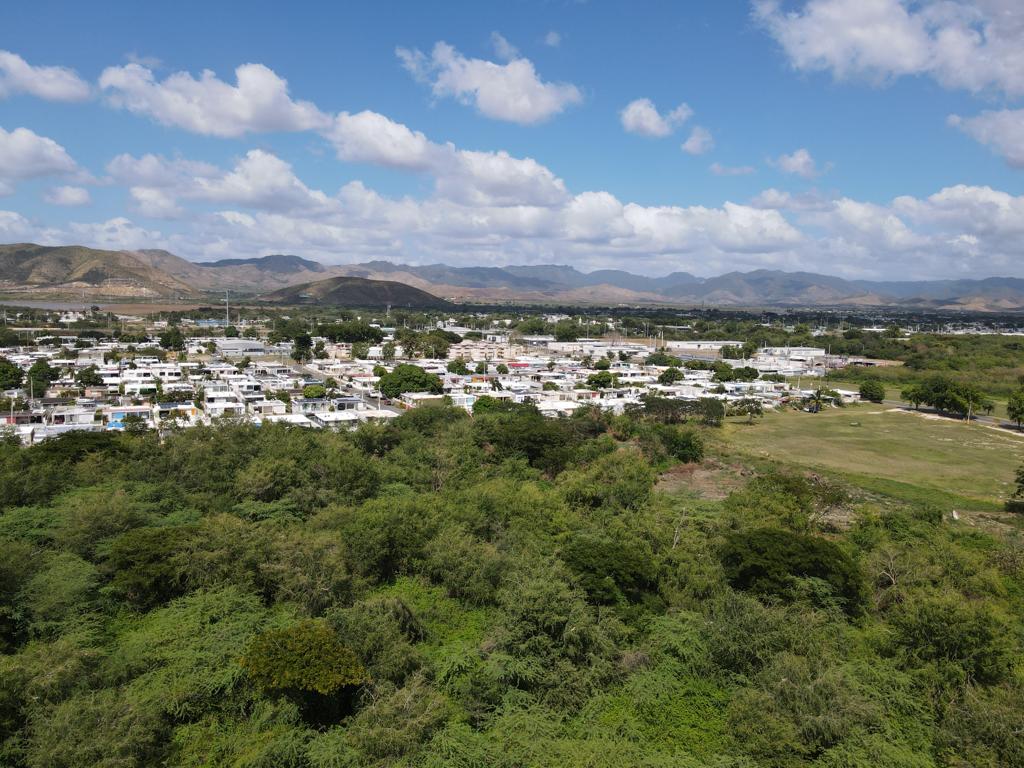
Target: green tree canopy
{"type": "Point", "coordinates": [408, 378]}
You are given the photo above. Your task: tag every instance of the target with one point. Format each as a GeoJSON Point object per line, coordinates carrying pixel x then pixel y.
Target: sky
{"type": "Point", "coordinates": [860, 138]}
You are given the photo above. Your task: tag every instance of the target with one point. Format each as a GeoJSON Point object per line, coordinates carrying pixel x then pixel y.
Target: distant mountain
{"type": "Point", "coordinates": [356, 292]}
{"type": "Point", "coordinates": [39, 270]}
{"type": "Point", "coordinates": [36, 270]}
{"type": "Point", "coordinates": [281, 263]}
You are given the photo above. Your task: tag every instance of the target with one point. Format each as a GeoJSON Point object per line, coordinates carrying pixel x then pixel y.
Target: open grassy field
{"type": "Point", "coordinates": [891, 451]}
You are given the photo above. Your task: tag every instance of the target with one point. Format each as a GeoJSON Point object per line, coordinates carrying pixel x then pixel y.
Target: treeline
{"type": "Point", "coordinates": [496, 590]}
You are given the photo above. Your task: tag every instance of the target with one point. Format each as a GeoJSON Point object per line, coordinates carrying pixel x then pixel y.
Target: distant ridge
{"type": "Point", "coordinates": [273, 263]}
{"type": "Point", "coordinates": [36, 270]}
{"type": "Point", "coordinates": [356, 292]}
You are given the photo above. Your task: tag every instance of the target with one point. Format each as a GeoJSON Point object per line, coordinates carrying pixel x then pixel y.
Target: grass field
{"type": "Point", "coordinates": [890, 451]}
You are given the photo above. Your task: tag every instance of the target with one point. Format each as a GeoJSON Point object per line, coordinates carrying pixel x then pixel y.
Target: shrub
{"type": "Point", "coordinates": [772, 562]}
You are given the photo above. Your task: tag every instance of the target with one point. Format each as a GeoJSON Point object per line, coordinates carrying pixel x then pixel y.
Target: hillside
{"type": "Point", "coordinates": [355, 292]}
{"type": "Point", "coordinates": [75, 270]}
{"type": "Point", "coordinates": [42, 270]}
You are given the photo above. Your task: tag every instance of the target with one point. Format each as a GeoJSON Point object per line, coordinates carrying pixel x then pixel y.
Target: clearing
{"type": "Point", "coordinates": [894, 452]}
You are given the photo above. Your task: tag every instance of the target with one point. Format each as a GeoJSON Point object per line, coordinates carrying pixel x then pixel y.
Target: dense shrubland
{"type": "Point", "coordinates": [495, 590]}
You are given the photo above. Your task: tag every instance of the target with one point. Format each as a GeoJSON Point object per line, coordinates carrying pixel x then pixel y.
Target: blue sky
{"type": "Point", "coordinates": [868, 138]}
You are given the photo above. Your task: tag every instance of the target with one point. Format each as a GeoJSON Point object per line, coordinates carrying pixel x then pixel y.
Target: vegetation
{"type": "Point", "coordinates": [408, 378]}
{"type": "Point", "coordinates": [509, 590]}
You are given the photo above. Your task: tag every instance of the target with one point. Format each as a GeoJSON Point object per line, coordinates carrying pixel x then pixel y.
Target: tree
{"type": "Point", "coordinates": [89, 377]}
{"type": "Point", "coordinates": [351, 332]}
{"type": "Point", "coordinates": [872, 390]}
{"type": "Point", "coordinates": [408, 378]}
{"type": "Point", "coordinates": [302, 347]}
{"type": "Point", "coordinates": [567, 330]}
{"type": "Point", "coordinates": [314, 391]}
{"type": "Point", "coordinates": [750, 407]}
{"type": "Point", "coordinates": [502, 369]}
{"type": "Point", "coordinates": [458, 366]}
{"type": "Point", "coordinates": [40, 376]}
{"type": "Point", "coordinates": [670, 376]}
{"type": "Point", "coordinates": [481, 369]}
{"type": "Point", "coordinates": [602, 364]}
{"type": "Point", "coordinates": [11, 375]}
{"type": "Point", "coordinates": [771, 562]}
{"type": "Point", "coordinates": [914, 395]}
{"type": "Point", "coordinates": [231, 332]}
{"type": "Point", "coordinates": [172, 338]}
{"type": "Point", "coordinates": [1015, 407]}
{"type": "Point", "coordinates": [662, 359]}
{"type": "Point", "coordinates": [307, 663]}
{"type": "Point", "coordinates": [1016, 502]}
{"type": "Point", "coordinates": [601, 380]}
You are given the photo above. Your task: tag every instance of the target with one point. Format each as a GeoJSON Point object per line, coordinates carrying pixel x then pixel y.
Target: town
{"type": "Point", "coordinates": [201, 371]}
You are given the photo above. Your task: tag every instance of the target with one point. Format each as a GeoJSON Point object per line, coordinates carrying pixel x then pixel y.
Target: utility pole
{"type": "Point", "coordinates": [227, 312]}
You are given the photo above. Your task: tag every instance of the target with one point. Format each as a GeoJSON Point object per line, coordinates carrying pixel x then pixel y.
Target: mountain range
{"type": "Point", "coordinates": [42, 271]}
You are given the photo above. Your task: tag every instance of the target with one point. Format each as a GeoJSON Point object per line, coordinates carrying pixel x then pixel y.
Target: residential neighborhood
{"type": "Point", "coordinates": [199, 371]}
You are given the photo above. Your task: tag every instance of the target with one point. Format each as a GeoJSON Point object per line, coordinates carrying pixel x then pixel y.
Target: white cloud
{"type": "Point", "coordinates": [699, 142]}
{"type": "Point", "coordinates": [259, 102]}
{"type": "Point", "coordinates": [155, 203]}
{"type": "Point", "coordinates": [1002, 130]}
{"type": "Point", "coordinates": [156, 171]}
{"type": "Point", "coordinates": [732, 170]}
{"type": "Point", "coordinates": [780, 200]}
{"type": "Point", "coordinates": [26, 155]}
{"type": "Point", "coordinates": [641, 116]}
{"type": "Point", "coordinates": [497, 178]}
{"type": "Point", "coordinates": [503, 49]}
{"type": "Point", "coordinates": [369, 137]}
{"type": "Point", "coordinates": [68, 196]}
{"type": "Point", "coordinates": [552, 39]}
{"type": "Point", "coordinates": [800, 163]}
{"type": "Point", "coordinates": [512, 91]}
{"type": "Point", "coordinates": [15, 228]}
{"type": "Point", "coordinates": [492, 178]}
{"type": "Point", "coordinates": [259, 180]}
{"type": "Point", "coordinates": [973, 45]}
{"type": "Point", "coordinates": [50, 83]}
{"type": "Point", "coordinates": [114, 234]}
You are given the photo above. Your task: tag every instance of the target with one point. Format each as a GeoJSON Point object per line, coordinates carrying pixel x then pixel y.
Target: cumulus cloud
{"type": "Point", "coordinates": [512, 92]}
{"type": "Point", "coordinates": [369, 137]}
{"type": "Point", "coordinates": [25, 155]}
{"type": "Point", "coordinates": [503, 49]}
{"type": "Point", "coordinates": [115, 234]}
{"type": "Point", "coordinates": [699, 142]}
{"type": "Point", "coordinates": [552, 39]}
{"type": "Point", "coordinates": [972, 45]}
{"type": "Point", "coordinates": [1001, 130]}
{"type": "Point", "coordinates": [258, 102]}
{"type": "Point", "coordinates": [732, 170]}
{"type": "Point", "coordinates": [68, 196]}
{"type": "Point", "coordinates": [50, 83]}
{"type": "Point", "coordinates": [15, 228]}
{"type": "Point", "coordinates": [799, 163]}
{"type": "Point", "coordinates": [642, 117]}
{"type": "Point", "coordinates": [259, 180]}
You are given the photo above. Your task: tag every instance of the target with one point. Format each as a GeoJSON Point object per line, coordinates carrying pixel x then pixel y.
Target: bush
{"type": "Point", "coordinates": [772, 562]}
{"type": "Point", "coordinates": [307, 663]}
{"type": "Point", "coordinates": [872, 390]}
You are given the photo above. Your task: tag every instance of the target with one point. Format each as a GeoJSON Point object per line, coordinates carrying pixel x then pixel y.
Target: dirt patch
{"type": "Point", "coordinates": [1001, 523]}
{"type": "Point", "coordinates": [708, 480]}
